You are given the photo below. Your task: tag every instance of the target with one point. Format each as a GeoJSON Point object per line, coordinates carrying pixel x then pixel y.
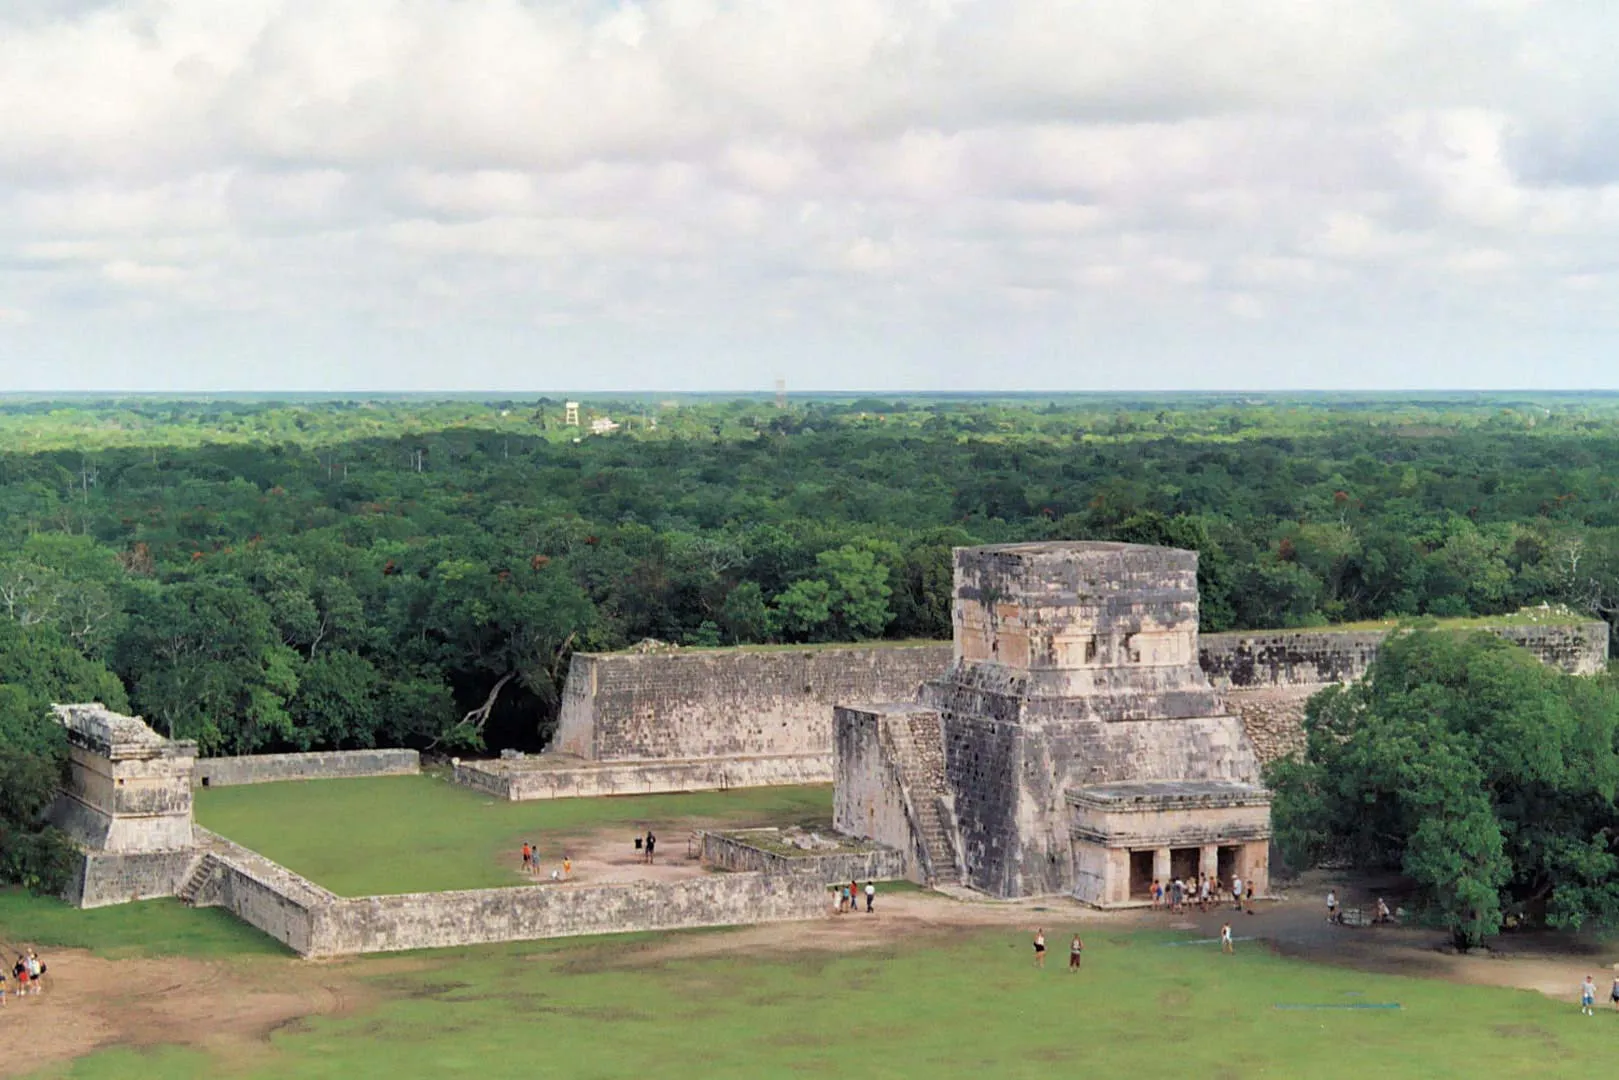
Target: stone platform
{"type": "Point", "coordinates": [567, 776]}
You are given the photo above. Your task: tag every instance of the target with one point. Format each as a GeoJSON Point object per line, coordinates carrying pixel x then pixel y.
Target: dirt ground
{"type": "Point", "coordinates": [91, 1002]}
{"type": "Point", "coordinates": [608, 856]}
{"type": "Point", "coordinates": [88, 1002]}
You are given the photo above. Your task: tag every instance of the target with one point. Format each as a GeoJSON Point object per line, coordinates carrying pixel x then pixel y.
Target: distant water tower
{"type": "Point", "coordinates": [781, 393]}
{"type": "Point", "coordinates": [570, 413]}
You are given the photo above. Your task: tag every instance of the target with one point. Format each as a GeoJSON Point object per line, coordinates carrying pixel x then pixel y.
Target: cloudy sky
{"type": "Point", "coordinates": [882, 194]}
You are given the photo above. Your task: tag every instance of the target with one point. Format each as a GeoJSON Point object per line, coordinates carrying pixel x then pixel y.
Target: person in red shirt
{"type": "Point", "coordinates": [528, 858]}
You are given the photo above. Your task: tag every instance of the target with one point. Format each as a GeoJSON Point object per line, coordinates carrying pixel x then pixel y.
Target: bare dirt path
{"type": "Point", "coordinates": [89, 1002]}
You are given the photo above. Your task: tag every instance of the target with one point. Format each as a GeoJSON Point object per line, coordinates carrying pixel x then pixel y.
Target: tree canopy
{"type": "Point", "coordinates": [1485, 776]}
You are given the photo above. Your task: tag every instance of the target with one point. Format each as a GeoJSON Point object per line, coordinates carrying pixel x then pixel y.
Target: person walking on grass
{"type": "Point", "coordinates": [1588, 997]}
{"type": "Point", "coordinates": [1226, 945]}
{"type": "Point", "coordinates": [1076, 949]}
{"type": "Point", "coordinates": [528, 857]}
{"type": "Point", "coordinates": [1040, 947]}
{"type": "Point", "coordinates": [871, 895]}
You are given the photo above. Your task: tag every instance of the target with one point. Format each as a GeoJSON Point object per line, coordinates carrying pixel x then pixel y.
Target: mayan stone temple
{"type": "Point", "coordinates": [1074, 745]}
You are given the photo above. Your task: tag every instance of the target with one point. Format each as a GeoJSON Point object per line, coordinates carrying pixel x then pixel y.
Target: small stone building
{"type": "Point", "coordinates": [1074, 745]}
{"type": "Point", "coordinates": [129, 788]}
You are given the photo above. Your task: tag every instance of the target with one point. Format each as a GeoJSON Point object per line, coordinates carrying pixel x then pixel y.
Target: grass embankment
{"type": "Point", "coordinates": [968, 1006]}
{"type": "Point", "coordinates": [397, 834]}
{"type": "Point", "coordinates": [149, 928]}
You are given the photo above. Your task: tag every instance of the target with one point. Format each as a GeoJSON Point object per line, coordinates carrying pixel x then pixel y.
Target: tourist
{"type": "Point", "coordinates": [35, 970]}
{"type": "Point", "coordinates": [1383, 915]}
{"type": "Point", "coordinates": [1615, 993]}
{"type": "Point", "coordinates": [528, 857]}
{"type": "Point", "coordinates": [1177, 892]}
{"type": "Point", "coordinates": [651, 844]}
{"type": "Point", "coordinates": [1203, 889]}
{"type": "Point", "coordinates": [1157, 894]}
{"type": "Point", "coordinates": [1039, 947]}
{"type": "Point", "coordinates": [567, 868]}
{"type": "Point", "coordinates": [871, 895]}
{"type": "Point", "coordinates": [1251, 893]}
{"type": "Point", "coordinates": [1236, 892]}
{"type": "Point", "coordinates": [1588, 997]}
{"type": "Point", "coordinates": [20, 973]}
{"type": "Point", "coordinates": [1076, 947]}
{"type": "Point", "coordinates": [1226, 945]}
{"type": "Point", "coordinates": [843, 899]}
{"type": "Point", "coordinates": [854, 896]}
{"type": "Point", "coordinates": [1332, 905]}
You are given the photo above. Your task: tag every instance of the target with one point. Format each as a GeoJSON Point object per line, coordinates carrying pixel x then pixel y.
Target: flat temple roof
{"type": "Point", "coordinates": [1158, 793]}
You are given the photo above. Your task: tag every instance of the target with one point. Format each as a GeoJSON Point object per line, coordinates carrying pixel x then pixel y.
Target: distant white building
{"type": "Point", "coordinates": [602, 425]}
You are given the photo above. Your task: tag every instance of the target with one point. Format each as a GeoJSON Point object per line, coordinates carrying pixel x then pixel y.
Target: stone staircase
{"type": "Point", "coordinates": [202, 869]}
{"type": "Point", "coordinates": [916, 743]}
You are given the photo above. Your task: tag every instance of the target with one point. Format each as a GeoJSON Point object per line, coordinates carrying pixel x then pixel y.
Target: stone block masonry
{"type": "Point", "coordinates": [114, 877]}
{"type": "Point", "coordinates": [528, 912]}
{"type": "Point", "coordinates": [777, 703]}
{"type": "Point", "coordinates": [314, 922]}
{"type": "Point", "coordinates": [735, 853]}
{"type": "Point", "coordinates": [729, 702]}
{"type": "Point", "coordinates": [563, 776]}
{"type": "Point", "coordinates": [325, 765]}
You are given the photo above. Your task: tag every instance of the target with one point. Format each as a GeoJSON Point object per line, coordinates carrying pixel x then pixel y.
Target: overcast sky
{"type": "Point", "coordinates": [874, 194]}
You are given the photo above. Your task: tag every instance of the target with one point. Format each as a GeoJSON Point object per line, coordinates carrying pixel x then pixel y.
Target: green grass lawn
{"type": "Point", "coordinates": [394, 834]}
{"type": "Point", "coordinates": [970, 1006]}
{"type": "Point", "coordinates": [149, 928]}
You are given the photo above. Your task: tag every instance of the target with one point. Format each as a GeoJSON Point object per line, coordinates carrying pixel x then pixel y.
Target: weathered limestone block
{"type": "Point", "coordinates": [319, 765]}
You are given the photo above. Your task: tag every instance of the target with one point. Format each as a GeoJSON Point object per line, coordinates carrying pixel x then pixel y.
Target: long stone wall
{"type": "Point", "coordinates": [1267, 678]}
{"type": "Point", "coordinates": [557, 776]}
{"type": "Point", "coordinates": [526, 912]}
{"type": "Point", "coordinates": [326, 765]}
{"type": "Point", "coordinates": [777, 703]}
{"type": "Point", "coordinates": [729, 702]}
{"type": "Point", "coordinates": [735, 854]}
{"type": "Point", "coordinates": [315, 922]}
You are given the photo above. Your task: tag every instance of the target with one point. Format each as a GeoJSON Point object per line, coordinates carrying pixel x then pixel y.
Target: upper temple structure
{"type": "Point", "coordinates": [1074, 745]}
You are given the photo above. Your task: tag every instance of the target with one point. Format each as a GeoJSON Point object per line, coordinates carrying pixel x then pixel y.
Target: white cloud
{"type": "Point", "coordinates": [905, 184]}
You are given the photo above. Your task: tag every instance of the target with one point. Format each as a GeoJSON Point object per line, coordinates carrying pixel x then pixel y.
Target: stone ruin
{"type": "Point", "coordinates": [128, 789]}
{"type": "Point", "coordinates": [1073, 746]}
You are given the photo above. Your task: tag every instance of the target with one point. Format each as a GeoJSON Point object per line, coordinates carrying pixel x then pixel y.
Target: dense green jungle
{"type": "Point", "coordinates": [278, 574]}
{"type": "Point", "coordinates": [286, 574]}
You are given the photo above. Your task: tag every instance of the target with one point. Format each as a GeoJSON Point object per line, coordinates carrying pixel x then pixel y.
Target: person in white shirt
{"type": "Point", "coordinates": [1332, 905]}
{"type": "Point", "coordinates": [1236, 892]}
{"type": "Point", "coordinates": [871, 894]}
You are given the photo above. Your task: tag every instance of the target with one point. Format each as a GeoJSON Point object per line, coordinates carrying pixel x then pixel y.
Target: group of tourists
{"type": "Point", "coordinates": [1179, 894]}
{"type": "Point", "coordinates": [849, 896]}
{"type": "Point", "coordinates": [28, 972]}
{"type": "Point", "coordinates": [1588, 996]}
{"type": "Point", "coordinates": [531, 862]}
{"type": "Point", "coordinates": [1380, 914]}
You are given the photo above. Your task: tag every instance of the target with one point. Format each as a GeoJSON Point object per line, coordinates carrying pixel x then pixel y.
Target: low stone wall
{"type": "Point", "coordinates": [735, 854]}
{"type": "Point", "coordinates": [110, 877]}
{"type": "Point", "coordinates": [325, 765]}
{"type": "Point", "coordinates": [264, 894]}
{"type": "Point", "coordinates": [528, 912]}
{"type": "Point", "coordinates": [555, 776]}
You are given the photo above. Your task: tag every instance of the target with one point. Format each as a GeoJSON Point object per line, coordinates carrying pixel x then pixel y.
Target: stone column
{"type": "Point", "coordinates": [1208, 862]}
{"type": "Point", "coordinates": [1160, 865]}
